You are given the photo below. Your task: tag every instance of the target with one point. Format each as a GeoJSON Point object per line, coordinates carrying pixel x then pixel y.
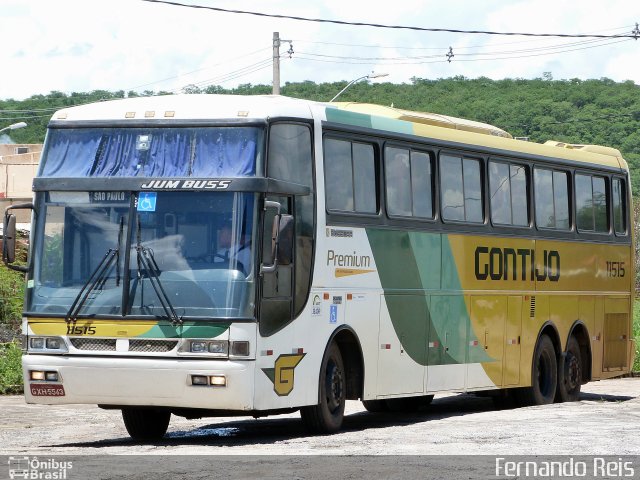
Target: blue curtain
{"type": "Point", "coordinates": [171, 152]}
{"type": "Point", "coordinates": [225, 153]}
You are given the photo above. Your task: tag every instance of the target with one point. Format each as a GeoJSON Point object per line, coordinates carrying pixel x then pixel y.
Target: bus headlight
{"type": "Point", "coordinates": [47, 345]}
{"type": "Point", "coordinates": [209, 348]}
{"type": "Point", "coordinates": [219, 347]}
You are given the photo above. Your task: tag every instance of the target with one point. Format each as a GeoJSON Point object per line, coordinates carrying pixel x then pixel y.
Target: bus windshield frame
{"type": "Point", "coordinates": [103, 255]}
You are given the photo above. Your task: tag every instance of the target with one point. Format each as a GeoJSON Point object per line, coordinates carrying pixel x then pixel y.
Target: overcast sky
{"type": "Point", "coordinates": [84, 45]}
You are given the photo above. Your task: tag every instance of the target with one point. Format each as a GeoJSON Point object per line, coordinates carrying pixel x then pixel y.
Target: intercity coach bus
{"type": "Point", "coordinates": [209, 255]}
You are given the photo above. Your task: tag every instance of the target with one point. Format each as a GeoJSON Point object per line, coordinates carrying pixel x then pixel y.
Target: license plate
{"type": "Point", "coordinates": [38, 390]}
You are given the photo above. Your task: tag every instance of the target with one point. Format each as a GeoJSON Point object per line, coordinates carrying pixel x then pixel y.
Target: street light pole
{"type": "Point", "coordinates": [368, 77]}
{"type": "Point", "coordinates": [14, 126]}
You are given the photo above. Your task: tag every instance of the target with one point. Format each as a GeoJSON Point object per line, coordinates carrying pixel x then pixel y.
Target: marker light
{"type": "Point", "coordinates": [36, 375]}
{"type": "Point", "coordinates": [218, 380]}
{"type": "Point", "coordinates": [51, 376]}
{"type": "Point", "coordinates": [199, 380]}
{"type": "Point", "coordinates": [240, 349]}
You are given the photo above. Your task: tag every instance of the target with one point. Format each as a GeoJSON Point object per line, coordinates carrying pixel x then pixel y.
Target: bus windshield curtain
{"type": "Point", "coordinates": [178, 152]}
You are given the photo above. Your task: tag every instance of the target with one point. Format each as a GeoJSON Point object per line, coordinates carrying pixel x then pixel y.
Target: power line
{"type": "Point", "coordinates": [427, 59]}
{"type": "Point", "coordinates": [635, 34]}
{"type": "Point", "coordinates": [470, 47]}
{"type": "Point", "coordinates": [200, 69]}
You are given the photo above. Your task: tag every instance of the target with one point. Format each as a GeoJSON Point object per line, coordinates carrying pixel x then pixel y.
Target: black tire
{"type": "Point", "coordinates": [375, 406]}
{"type": "Point", "coordinates": [327, 416]}
{"type": "Point", "coordinates": [504, 399]}
{"type": "Point", "coordinates": [570, 373]}
{"type": "Point", "coordinates": [145, 424]}
{"type": "Point", "coordinates": [408, 404]}
{"type": "Point", "coordinates": [544, 376]}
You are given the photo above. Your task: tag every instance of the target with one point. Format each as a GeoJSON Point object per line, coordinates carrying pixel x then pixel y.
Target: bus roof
{"type": "Point", "coordinates": [188, 107]}
{"type": "Point", "coordinates": [462, 131]}
{"type": "Point", "coordinates": [433, 126]}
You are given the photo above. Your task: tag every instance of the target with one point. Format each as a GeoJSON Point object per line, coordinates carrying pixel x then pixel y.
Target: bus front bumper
{"type": "Point", "coordinates": [158, 382]}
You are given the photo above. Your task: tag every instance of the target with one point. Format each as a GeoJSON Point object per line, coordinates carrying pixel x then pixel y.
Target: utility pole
{"type": "Point", "coordinates": [276, 61]}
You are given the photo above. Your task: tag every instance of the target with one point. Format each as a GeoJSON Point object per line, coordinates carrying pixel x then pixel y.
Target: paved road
{"type": "Point", "coordinates": [605, 421]}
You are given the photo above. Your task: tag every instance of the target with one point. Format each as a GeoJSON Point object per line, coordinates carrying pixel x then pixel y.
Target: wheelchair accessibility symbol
{"type": "Point", "coordinates": [147, 201]}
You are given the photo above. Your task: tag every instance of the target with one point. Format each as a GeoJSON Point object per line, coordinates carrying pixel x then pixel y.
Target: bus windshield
{"type": "Point", "coordinates": [152, 152]}
{"type": "Point", "coordinates": [131, 254]}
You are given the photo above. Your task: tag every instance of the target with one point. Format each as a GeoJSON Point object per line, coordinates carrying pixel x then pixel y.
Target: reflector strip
{"type": "Point", "coordinates": [473, 343]}
{"type": "Point", "coordinates": [385, 346]}
{"type": "Point", "coordinates": [434, 344]}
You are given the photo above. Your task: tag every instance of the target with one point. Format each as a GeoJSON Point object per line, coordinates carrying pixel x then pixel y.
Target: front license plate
{"type": "Point", "coordinates": [38, 390]}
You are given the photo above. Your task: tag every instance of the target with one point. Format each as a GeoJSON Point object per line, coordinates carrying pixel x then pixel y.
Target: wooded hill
{"type": "Point", "coordinates": [600, 112]}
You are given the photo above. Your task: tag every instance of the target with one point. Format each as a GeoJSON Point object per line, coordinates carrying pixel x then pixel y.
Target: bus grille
{"type": "Point", "coordinates": [96, 344]}
{"type": "Point", "coordinates": [151, 346]}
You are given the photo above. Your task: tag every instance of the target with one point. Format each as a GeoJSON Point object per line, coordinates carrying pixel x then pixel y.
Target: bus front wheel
{"type": "Point", "coordinates": [145, 424]}
{"type": "Point", "coordinates": [544, 375]}
{"type": "Point", "coordinates": [327, 416]}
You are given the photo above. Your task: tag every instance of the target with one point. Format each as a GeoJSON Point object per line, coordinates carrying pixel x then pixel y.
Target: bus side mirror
{"type": "Point", "coordinates": [284, 252]}
{"type": "Point", "coordinates": [9, 239]}
{"type": "Point", "coordinates": [281, 238]}
{"type": "Point", "coordinates": [9, 234]}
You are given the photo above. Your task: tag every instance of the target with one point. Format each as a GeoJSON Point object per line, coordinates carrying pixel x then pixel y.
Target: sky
{"type": "Point", "coordinates": [84, 45]}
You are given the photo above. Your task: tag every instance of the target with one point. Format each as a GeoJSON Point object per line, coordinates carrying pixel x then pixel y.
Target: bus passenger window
{"type": "Point", "coordinates": [509, 199]}
{"type": "Point", "coordinates": [364, 179]}
{"type": "Point", "coordinates": [398, 181]}
{"type": "Point", "coordinates": [422, 184]}
{"type": "Point", "coordinates": [551, 199]}
{"type": "Point", "coordinates": [500, 193]}
{"type": "Point", "coordinates": [591, 204]}
{"type": "Point", "coordinates": [350, 176]}
{"type": "Point", "coordinates": [408, 183]}
{"type": "Point", "coordinates": [619, 207]}
{"type": "Point", "coordinates": [461, 189]}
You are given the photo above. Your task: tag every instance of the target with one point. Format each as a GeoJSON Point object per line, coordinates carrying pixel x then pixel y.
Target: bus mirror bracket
{"type": "Point", "coordinates": [9, 234]}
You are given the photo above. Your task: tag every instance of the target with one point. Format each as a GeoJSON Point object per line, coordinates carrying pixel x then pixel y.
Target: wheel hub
{"type": "Point", "coordinates": [572, 373]}
{"type": "Point", "coordinates": [335, 390]}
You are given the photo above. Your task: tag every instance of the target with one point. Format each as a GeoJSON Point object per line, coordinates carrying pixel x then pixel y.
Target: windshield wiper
{"type": "Point", "coordinates": [98, 277]}
{"type": "Point", "coordinates": [147, 263]}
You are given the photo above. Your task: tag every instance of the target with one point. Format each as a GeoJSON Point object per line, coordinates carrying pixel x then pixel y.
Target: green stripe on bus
{"type": "Point", "coordinates": [367, 121]}
{"type": "Point", "coordinates": [350, 118]}
{"type": "Point", "coordinates": [410, 265]}
{"type": "Point", "coordinates": [203, 330]}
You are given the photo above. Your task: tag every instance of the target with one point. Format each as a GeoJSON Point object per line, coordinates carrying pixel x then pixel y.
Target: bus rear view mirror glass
{"type": "Point", "coordinates": [9, 239]}
{"type": "Point", "coordinates": [9, 234]}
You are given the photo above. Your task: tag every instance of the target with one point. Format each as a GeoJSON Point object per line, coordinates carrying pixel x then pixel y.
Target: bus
{"type": "Point", "coordinates": [211, 255]}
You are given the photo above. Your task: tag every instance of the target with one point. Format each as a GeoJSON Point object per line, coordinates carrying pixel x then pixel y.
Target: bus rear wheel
{"type": "Point", "coordinates": [544, 375]}
{"type": "Point", "coordinates": [570, 373]}
{"type": "Point", "coordinates": [146, 424]}
{"type": "Point", "coordinates": [327, 416]}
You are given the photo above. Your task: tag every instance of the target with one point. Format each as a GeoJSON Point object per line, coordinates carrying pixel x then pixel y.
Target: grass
{"type": "Point", "coordinates": [10, 368]}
